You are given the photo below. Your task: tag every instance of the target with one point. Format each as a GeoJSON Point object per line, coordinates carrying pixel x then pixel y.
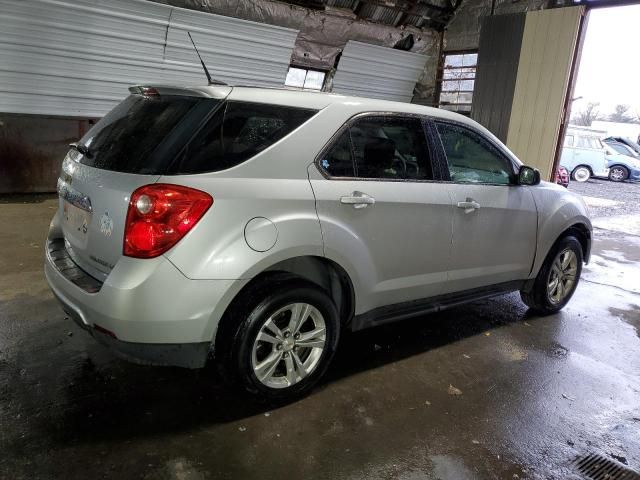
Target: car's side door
{"type": "Point", "coordinates": [383, 217]}
{"type": "Point", "coordinates": [494, 219]}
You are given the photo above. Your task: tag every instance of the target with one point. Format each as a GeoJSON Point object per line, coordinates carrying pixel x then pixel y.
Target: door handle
{"type": "Point", "coordinates": [469, 205]}
{"type": "Point", "coordinates": [358, 200]}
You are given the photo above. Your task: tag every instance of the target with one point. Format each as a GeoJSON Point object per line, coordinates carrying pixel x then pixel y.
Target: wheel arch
{"type": "Point", "coordinates": [583, 234]}
{"type": "Point", "coordinates": [321, 271]}
{"type": "Point", "coordinates": [578, 230]}
{"type": "Point", "coordinates": [588, 167]}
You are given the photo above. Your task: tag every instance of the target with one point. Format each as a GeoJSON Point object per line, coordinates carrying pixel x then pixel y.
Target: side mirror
{"type": "Point", "coordinates": [528, 176]}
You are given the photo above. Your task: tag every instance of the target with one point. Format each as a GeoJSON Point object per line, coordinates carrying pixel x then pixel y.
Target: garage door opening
{"type": "Point", "coordinates": [600, 148]}
{"type": "Point", "coordinates": [602, 135]}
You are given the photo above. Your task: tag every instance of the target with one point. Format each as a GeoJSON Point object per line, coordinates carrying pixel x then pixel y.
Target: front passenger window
{"type": "Point", "coordinates": [473, 159]}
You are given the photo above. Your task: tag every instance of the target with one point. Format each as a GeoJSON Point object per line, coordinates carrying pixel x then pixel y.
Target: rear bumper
{"type": "Point", "coordinates": [187, 355]}
{"type": "Point", "coordinates": [146, 310]}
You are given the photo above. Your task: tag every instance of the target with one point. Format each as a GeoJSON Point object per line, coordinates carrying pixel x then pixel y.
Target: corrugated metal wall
{"type": "Point", "coordinates": [549, 41]}
{"type": "Point", "coordinates": [77, 57]}
{"type": "Point", "coordinates": [498, 57]}
{"type": "Point", "coordinates": [378, 72]}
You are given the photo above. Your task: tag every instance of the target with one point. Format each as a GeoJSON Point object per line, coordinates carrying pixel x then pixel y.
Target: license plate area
{"type": "Point", "coordinates": [76, 221]}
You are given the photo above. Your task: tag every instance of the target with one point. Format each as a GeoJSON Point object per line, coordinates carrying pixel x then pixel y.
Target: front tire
{"type": "Point", "coordinates": [581, 174]}
{"type": "Point", "coordinates": [618, 173]}
{"type": "Point", "coordinates": [282, 342]}
{"type": "Point", "coordinates": [557, 279]}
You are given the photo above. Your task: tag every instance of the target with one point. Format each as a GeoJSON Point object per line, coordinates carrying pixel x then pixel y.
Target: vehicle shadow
{"type": "Point", "coordinates": [117, 400]}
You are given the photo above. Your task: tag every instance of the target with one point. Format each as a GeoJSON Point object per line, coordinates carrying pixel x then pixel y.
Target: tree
{"type": "Point", "coordinates": [586, 117]}
{"type": "Point", "coordinates": [620, 114]}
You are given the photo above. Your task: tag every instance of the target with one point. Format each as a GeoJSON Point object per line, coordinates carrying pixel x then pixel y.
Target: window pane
{"type": "Point", "coordinates": [391, 147]}
{"type": "Point", "coordinates": [465, 97]}
{"type": "Point", "coordinates": [453, 60]}
{"type": "Point", "coordinates": [467, 85]}
{"type": "Point", "coordinates": [568, 141]}
{"type": "Point", "coordinates": [295, 77]}
{"type": "Point", "coordinates": [448, 98]}
{"type": "Point", "coordinates": [583, 142]}
{"type": "Point", "coordinates": [450, 85]}
{"type": "Point", "coordinates": [472, 159]}
{"type": "Point", "coordinates": [238, 133]}
{"type": "Point", "coordinates": [142, 134]}
{"type": "Point", "coordinates": [470, 59]}
{"type": "Point", "coordinates": [460, 73]}
{"type": "Point", "coordinates": [338, 161]}
{"type": "Point", "coordinates": [314, 80]}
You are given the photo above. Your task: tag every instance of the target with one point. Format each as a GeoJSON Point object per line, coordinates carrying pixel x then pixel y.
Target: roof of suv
{"type": "Point", "coordinates": [316, 100]}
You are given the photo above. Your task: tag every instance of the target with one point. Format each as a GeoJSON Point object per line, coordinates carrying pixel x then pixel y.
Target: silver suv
{"type": "Point", "coordinates": [252, 226]}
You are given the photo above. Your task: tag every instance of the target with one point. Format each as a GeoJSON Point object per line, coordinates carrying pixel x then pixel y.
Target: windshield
{"type": "Point", "coordinates": [143, 133]}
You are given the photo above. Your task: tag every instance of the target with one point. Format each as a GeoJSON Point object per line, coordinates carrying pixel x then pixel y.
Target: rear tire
{"type": "Point", "coordinates": [557, 279]}
{"type": "Point", "coordinates": [268, 355]}
{"type": "Point", "coordinates": [618, 173]}
{"type": "Point", "coordinates": [581, 174]}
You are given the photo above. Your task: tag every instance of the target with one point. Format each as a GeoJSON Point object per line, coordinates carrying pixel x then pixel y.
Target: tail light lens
{"type": "Point", "coordinates": [159, 216]}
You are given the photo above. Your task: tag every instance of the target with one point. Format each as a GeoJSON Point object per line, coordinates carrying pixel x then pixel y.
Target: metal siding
{"type": "Point", "coordinates": [77, 58]}
{"type": "Point", "coordinates": [498, 57]}
{"type": "Point", "coordinates": [549, 41]}
{"type": "Point", "coordinates": [378, 72]}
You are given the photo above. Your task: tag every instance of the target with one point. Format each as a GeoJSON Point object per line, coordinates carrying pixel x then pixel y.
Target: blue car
{"type": "Point", "coordinates": [623, 167]}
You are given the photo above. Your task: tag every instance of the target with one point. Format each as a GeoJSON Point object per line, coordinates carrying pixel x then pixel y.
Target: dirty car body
{"type": "Point", "coordinates": [252, 225]}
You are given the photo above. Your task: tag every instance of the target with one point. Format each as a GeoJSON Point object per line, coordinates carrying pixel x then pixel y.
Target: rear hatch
{"type": "Point", "coordinates": [130, 147]}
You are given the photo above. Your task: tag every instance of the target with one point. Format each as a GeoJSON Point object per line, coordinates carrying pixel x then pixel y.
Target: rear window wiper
{"type": "Point", "coordinates": [83, 149]}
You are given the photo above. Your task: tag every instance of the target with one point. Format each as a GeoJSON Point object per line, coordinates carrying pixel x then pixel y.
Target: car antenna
{"type": "Point", "coordinates": [212, 81]}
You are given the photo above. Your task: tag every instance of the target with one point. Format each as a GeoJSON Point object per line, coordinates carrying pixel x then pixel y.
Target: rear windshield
{"type": "Point", "coordinates": [235, 133]}
{"type": "Point", "coordinates": [157, 135]}
{"type": "Point", "coordinates": [144, 133]}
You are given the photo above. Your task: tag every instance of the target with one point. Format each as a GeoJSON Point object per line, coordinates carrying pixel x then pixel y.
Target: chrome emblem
{"type": "Point", "coordinates": [106, 224]}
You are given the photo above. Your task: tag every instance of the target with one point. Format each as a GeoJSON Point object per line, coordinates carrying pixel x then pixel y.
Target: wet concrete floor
{"type": "Point", "coordinates": [533, 393]}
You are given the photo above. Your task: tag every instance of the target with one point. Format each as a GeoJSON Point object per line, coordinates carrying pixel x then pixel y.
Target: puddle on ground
{"type": "Point", "coordinates": [631, 316]}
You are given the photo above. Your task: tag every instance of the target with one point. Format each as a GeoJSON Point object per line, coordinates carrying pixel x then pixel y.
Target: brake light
{"type": "Point", "coordinates": [159, 216]}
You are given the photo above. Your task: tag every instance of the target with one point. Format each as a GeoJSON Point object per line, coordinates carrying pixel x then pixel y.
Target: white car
{"type": "Point", "coordinates": [253, 225]}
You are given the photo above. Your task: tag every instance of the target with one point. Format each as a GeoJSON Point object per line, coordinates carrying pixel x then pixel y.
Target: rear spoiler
{"type": "Point", "coordinates": [212, 91]}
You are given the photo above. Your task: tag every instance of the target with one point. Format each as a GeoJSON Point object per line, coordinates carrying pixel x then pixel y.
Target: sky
{"type": "Point", "coordinates": [610, 65]}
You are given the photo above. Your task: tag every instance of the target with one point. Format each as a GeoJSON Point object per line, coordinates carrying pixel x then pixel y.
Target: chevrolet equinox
{"type": "Point", "coordinates": [251, 226]}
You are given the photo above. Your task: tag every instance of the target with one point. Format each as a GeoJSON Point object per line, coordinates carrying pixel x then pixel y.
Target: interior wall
{"type": "Point", "coordinates": [463, 31]}
{"type": "Point", "coordinates": [500, 44]}
{"type": "Point", "coordinates": [323, 34]}
{"type": "Point", "coordinates": [32, 148]}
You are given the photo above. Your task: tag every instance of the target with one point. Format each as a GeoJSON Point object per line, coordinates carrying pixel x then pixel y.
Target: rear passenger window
{"type": "Point", "coordinates": [381, 147]}
{"type": "Point", "coordinates": [337, 161]}
{"type": "Point", "coordinates": [237, 132]}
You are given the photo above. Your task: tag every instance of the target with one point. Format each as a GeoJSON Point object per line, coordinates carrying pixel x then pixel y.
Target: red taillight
{"type": "Point", "coordinates": [159, 216]}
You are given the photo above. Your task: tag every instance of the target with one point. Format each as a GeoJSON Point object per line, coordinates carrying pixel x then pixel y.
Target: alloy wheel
{"type": "Point", "coordinates": [289, 345]}
{"type": "Point", "coordinates": [562, 277]}
{"type": "Point", "coordinates": [617, 174]}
